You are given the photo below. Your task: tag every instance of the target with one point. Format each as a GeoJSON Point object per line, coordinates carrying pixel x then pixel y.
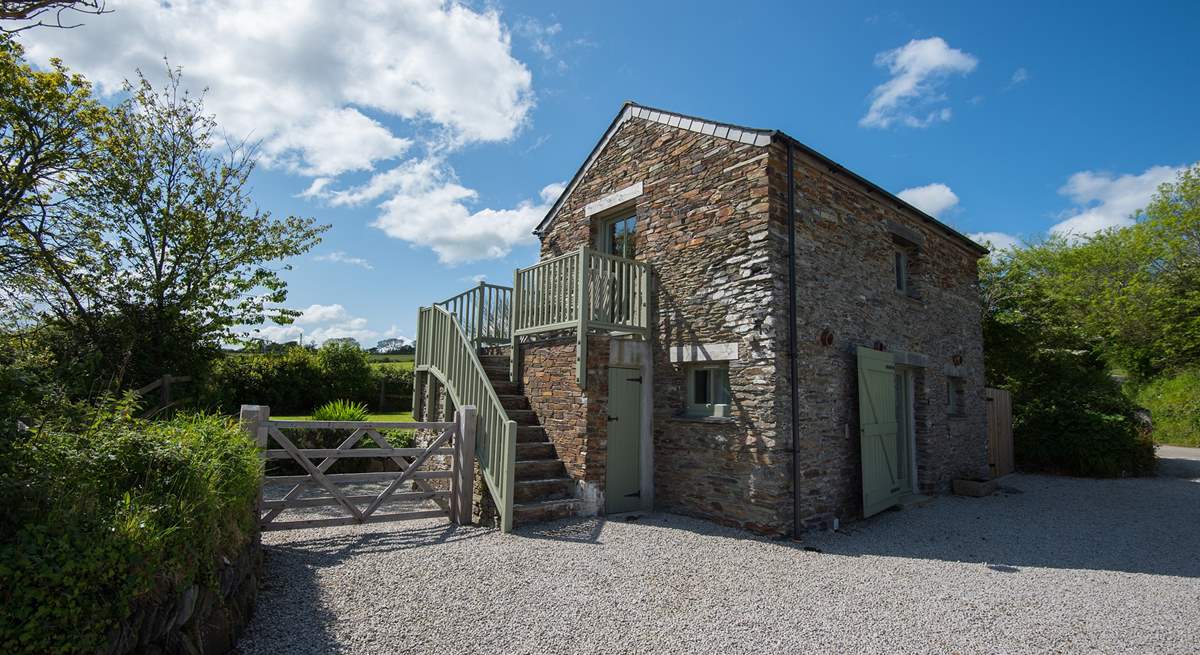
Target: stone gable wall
{"type": "Point", "coordinates": [574, 419]}
{"type": "Point", "coordinates": [846, 284]}
{"type": "Point", "coordinates": [703, 227]}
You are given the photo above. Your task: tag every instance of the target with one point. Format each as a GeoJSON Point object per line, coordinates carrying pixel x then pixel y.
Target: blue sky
{"type": "Point", "coordinates": [432, 136]}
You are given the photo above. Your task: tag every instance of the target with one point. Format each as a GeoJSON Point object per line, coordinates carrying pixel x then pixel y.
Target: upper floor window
{"type": "Point", "coordinates": [618, 236]}
{"type": "Point", "coordinates": [902, 271]}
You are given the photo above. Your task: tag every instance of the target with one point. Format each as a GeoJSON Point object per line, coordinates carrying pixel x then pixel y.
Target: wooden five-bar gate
{"type": "Point", "coordinates": [453, 495]}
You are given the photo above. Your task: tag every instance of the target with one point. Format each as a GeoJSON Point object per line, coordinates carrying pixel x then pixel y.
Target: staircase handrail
{"type": "Point", "coordinates": [444, 351]}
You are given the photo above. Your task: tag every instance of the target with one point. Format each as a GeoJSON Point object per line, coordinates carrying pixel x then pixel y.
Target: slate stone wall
{"type": "Point", "coordinates": [712, 224]}
{"type": "Point", "coordinates": [201, 619]}
{"type": "Point", "coordinates": [846, 285]}
{"type": "Point", "coordinates": [703, 227]}
{"type": "Point", "coordinates": [574, 419]}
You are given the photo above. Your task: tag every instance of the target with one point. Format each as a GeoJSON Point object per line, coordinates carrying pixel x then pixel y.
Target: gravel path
{"type": "Point", "coordinates": [1047, 565]}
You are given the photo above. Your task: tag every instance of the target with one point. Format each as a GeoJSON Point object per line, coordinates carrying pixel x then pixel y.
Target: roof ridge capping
{"type": "Point", "coordinates": [742, 134]}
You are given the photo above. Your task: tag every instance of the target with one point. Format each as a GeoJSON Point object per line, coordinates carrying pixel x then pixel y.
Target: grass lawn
{"type": "Point", "coordinates": [398, 417]}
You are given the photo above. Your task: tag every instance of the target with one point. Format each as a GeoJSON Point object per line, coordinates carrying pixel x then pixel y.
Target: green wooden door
{"type": "Point", "coordinates": [623, 472]}
{"type": "Point", "coordinates": [882, 477]}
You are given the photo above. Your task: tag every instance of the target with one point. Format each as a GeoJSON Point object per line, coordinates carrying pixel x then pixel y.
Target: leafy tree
{"type": "Point", "coordinates": [49, 125]}
{"type": "Point", "coordinates": [171, 254]}
{"type": "Point", "coordinates": [1069, 415]}
{"type": "Point", "coordinates": [1134, 292]}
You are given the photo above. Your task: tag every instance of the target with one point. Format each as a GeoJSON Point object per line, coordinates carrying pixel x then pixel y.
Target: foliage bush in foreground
{"type": "Point", "coordinates": [1174, 404]}
{"type": "Point", "coordinates": [95, 515]}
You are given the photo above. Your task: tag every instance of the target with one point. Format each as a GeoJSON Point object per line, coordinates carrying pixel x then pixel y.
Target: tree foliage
{"type": "Point", "coordinates": [156, 252]}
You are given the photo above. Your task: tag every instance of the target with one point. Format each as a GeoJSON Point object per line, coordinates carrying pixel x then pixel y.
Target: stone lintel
{"type": "Point", "coordinates": [613, 199]}
{"type": "Point", "coordinates": [704, 352]}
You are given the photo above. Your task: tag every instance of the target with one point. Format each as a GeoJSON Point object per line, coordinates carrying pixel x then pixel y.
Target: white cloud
{"type": "Point", "coordinates": [1104, 200]}
{"type": "Point", "coordinates": [918, 69]}
{"type": "Point", "coordinates": [933, 199]}
{"type": "Point", "coordinates": [340, 257]}
{"type": "Point", "coordinates": [321, 314]}
{"type": "Point", "coordinates": [319, 323]}
{"type": "Point", "coordinates": [1019, 76]}
{"type": "Point", "coordinates": [433, 212]}
{"type": "Point", "coordinates": [995, 240]}
{"type": "Point", "coordinates": [303, 76]}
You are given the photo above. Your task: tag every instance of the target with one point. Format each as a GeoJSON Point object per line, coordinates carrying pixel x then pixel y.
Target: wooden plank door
{"type": "Point", "coordinates": [623, 471]}
{"type": "Point", "coordinates": [882, 478]}
{"type": "Point", "coordinates": [1000, 439]}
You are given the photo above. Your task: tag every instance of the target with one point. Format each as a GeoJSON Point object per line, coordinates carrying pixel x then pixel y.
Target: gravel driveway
{"type": "Point", "coordinates": [1047, 565]}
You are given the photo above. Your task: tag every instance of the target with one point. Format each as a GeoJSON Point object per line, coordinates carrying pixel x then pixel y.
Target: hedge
{"type": "Point", "coordinates": [299, 380]}
{"type": "Point", "coordinates": [1174, 404]}
{"type": "Point", "coordinates": [96, 515]}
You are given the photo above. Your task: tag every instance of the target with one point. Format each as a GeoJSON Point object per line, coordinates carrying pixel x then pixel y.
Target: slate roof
{"type": "Point", "coordinates": [741, 134]}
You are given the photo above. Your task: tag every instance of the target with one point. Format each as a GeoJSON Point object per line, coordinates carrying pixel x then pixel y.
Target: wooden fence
{"type": "Point", "coordinates": [999, 428]}
{"type": "Point", "coordinates": [457, 441]}
{"type": "Point", "coordinates": [163, 388]}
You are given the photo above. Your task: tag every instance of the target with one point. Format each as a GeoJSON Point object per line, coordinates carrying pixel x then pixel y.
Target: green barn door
{"type": "Point", "coordinates": [881, 460]}
{"type": "Point", "coordinates": [623, 472]}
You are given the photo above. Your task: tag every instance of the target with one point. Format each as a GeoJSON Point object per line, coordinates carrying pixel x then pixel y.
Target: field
{"type": "Point", "coordinates": [391, 359]}
{"type": "Point", "coordinates": [397, 416]}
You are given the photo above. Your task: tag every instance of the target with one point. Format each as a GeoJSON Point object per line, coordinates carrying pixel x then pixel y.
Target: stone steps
{"type": "Point", "coordinates": [531, 434]}
{"type": "Point", "coordinates": [543, 491]}
{"type": "Point", "coordinates": [540, 469]}
{"type": "Point", "coordinates": [545, 510]}
{"type": "Point", "coordinates": [513, 401]}
{"type": "Point", "coordinates": [535, 450]}
{"type": "Point", "coordinates": [525, 491]}
{"type": "Point", "coordinates": [523, 416]}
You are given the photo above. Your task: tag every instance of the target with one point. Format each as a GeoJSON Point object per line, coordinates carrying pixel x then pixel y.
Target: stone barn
{"type": "Point", "coordinates": [723, 323]}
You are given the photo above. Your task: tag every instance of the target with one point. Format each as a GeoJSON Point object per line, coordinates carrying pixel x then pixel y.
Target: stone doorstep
{"type": "Point", "coordinates": [545, 510]}
{"type": "Point", "coordinates": [974, 488]}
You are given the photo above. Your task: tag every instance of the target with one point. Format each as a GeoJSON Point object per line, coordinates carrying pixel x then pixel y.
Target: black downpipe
{"type": "Point", "coordinates": [793, 361]}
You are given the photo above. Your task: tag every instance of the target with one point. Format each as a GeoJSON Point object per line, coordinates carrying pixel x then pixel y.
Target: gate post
{"type": "Point", "coordinates": [462, 465]}
{"type": "Point", "coordinates": [254, 421]}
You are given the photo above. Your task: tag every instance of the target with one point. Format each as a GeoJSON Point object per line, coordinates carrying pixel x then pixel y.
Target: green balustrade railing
{"type": "Point", "coordinates": [484, 313]}
{"type": "Point", "coordinates": [583, 291]}
{"type": "Point", "coordinates": [448, 354]}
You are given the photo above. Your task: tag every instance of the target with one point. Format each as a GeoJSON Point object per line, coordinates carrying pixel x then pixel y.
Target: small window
{"type": "Point", "coordinates": [956, 390]}
{"type": "Point", "coordinates": [901, 271]}
{"type": "Point", "coordinates": [618, 237]}
{"type": "Point", "coordinates": [707, 387]}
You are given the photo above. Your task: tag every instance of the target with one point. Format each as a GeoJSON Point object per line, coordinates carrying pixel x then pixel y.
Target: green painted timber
{"type": "Point", "coordinates": [447, 354]}
{"type": "Point", "coordinates": [623, 470]}
{"type": "Point", "coordinates": [881, 462]}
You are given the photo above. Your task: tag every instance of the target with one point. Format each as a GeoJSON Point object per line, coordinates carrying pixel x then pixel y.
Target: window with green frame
{"type": "Point", "coordinates": [707, 386]}
{"type": "Point", "coordinates": [618, 236]}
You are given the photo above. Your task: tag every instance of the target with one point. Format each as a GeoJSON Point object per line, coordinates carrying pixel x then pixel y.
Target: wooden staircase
{"type": "Point", "coordinates": [543, 490]}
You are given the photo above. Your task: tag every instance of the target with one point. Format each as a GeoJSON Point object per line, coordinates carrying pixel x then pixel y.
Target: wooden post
{"type": "Point", "coordinates": [462, 480]}
{"type": "Point", "coordinates": [513, 311]}
{"type": "Point", "coordinates": [582, 327]}
{"type": "Point", "coordinates": [254, 420]}
{"type": "Point", "coordinates": [479, 301]}
{"type": "Point", "coordinates": [165, 391]}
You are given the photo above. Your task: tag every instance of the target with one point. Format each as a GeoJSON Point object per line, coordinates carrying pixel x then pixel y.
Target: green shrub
{"type": "Point", "coordinates": [298, 380]}
{"type": "Point", "coordinates": [1174, 404]}
{"type": "Point", "coordinates": [1070, 417]}
{"type": "Point", "coordinates": [341, 410]}
{"type": "Point", "coordinates": [95, 515]}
